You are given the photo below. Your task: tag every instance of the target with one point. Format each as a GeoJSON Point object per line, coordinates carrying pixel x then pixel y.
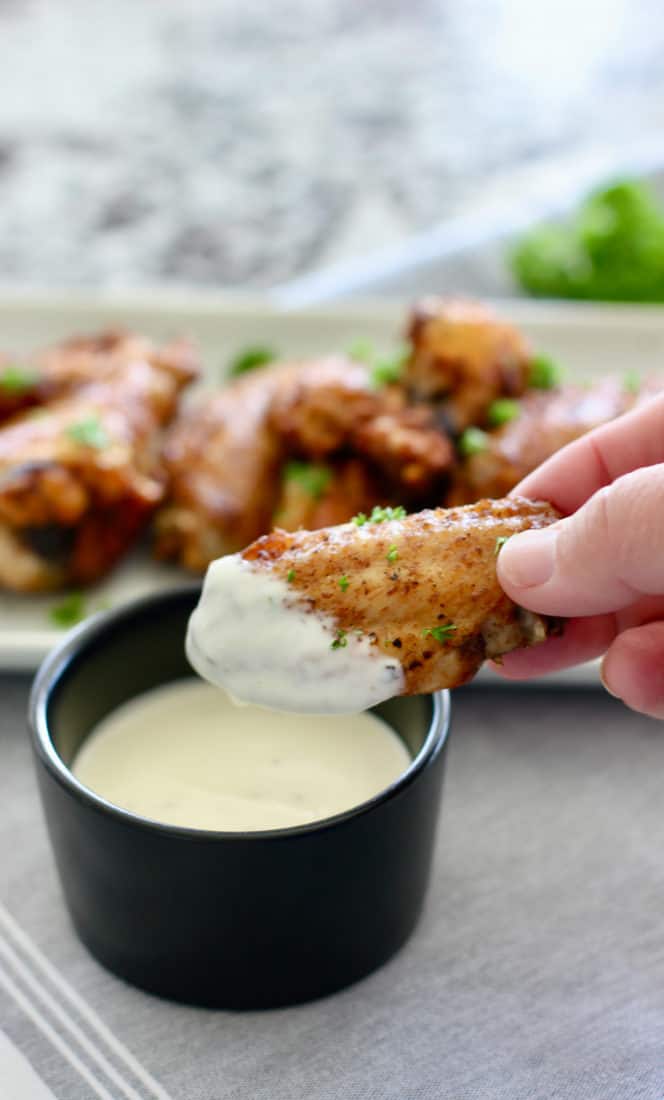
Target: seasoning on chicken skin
{"type": "Point", "coordinates": [79, 478]}
{"type": "Point", "coordinates": [464, 358]}
{"type": "Point", "coordinates": [416, 597]}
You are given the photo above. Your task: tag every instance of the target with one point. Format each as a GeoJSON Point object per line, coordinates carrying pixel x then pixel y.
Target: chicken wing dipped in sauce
{"type": "Point", "coordinates": [60, 370]}
{"type": "Point", "coordinates": [463, 358]}
{"type": "Point", "coordinates": [80, 476]}
{"type": "Point", "coordinates": [342, 618]}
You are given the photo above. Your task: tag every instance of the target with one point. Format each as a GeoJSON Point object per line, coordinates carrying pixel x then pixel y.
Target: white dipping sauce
{"type": "Point", "coordinates": [252, 635]}
{"type": "Point", "coordinates": [185, 755]}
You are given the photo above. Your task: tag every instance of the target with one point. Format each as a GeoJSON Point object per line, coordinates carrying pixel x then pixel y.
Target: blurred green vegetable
{"type": "Point", "coordinates": [611, 250]}
{"type": "Point", "coordinates": [249, 359]}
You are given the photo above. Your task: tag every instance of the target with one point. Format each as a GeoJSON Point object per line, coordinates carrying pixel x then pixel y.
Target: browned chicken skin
{"type": "Point", "coordinates": [464, 357]}
{"type": "Point", "coordinates": [80, 476]}
{"type": "Point", "coordinates": [546, 421]}
{"type": "Point", "coordinates": [422, 589]}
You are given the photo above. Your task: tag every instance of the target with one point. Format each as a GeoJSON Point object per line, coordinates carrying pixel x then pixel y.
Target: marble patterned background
{"type": "Point", "coordinates": [233, 143]}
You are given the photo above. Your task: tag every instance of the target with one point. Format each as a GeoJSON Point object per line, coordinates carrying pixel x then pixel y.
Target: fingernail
{"type": "Point", "coordinates": [602, 676]}
{"type": "Point", "coordinates": [528, 559]}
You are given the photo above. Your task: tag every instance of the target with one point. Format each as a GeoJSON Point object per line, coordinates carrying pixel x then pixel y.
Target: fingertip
{"type": "Point", "coordinates": [633, 669]}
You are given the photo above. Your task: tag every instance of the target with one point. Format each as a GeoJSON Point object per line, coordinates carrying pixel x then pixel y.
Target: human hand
{"type": "Point", "coordinates": [603, 565]}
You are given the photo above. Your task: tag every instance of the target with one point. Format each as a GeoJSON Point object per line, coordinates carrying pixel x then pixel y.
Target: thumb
{"type": "Point", "coordinates": [602, 558]}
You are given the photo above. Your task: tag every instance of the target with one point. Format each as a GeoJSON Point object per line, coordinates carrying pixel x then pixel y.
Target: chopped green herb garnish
{"type": "Point", "coordinates": [341, 641]}
{"type": "Point", "coordinates": [313, 479]}
{"type": "Point", "coordinates": [632, 381]}
{"type": "Point", "coordinates": [611, 249]}
{"type": "Point", "coordinates": [472, 442]}
{"type": "Point", "coordinates": [500, 542]}
{"type": "Point", "coordinates": [16, 379]}
{"type": "Point", "coordinates": [362, 351]}
{"type": "Point", "coordinates": [392, 553]}
{"type": "Point", "coordinates": [502, 411]}
{"type": "Point", "coordinates": [70, 611]}
{"type": "Point", "coordinates": [379, 515]}
{"type": "Point", "coordinates": [544, 374]}
{"type": "Point", "coordinates": [442, 634]}
{"type": "Point", "coordinates": [290, 576]}
{"type": "Point", "coordinates": [386, 371]}
{"type": "Point", "coordinates": [90, 432]}
{"type": "Point", "coordinates": [343, 583]}
{"type": "Point", "coordinates": [249, 359]}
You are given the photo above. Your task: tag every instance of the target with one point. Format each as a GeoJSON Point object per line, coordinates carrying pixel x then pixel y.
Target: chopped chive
{"type": "Point", "coordinates": [313, 479]}
{"type": "Point", "coordinates": [387, 371]}
{"type": "Point", "coordinates": [249, 359]}
{"type": "Point", "coordinates": [442, 634]}
{"type": "Point", "coordinates": [500, 542]}
{"type": "Point", "coordinates": [472, 442]}
{"type": "Point", "coordinates": [69, 611]}
{"type": "Point", "coordinates": [392, 553]}
{"type": "Point", "coordinates": [362, 351]}
{"type": "Point", "coordinates": [16, 379]}
{"type": "Point", "coordinates": [343, 583]}
{"type": "Point", "coordinates": [544, 373]}
{"type": "Point", "coordinates": [502, 411]}
{"type": "Point", "coordinates": [90, 432]}
{"type": "Point", "coordinates": [632, 381]}
{"type": "Point", "coordinates": [341, 641]}
{"type": "Point", "coordinates": [290, 576]}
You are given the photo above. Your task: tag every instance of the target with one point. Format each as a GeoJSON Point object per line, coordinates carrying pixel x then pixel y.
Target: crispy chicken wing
{"type": "Point", "coordinates": [314, 495]}
{"type": "Point", "coordinates": [62, 369]}
{"type": "Point", "coordinates": [546, 421]}
{"type": "Point", "coordinates": [414, 602]}
{"type": "Point", "coordinates": [79, 477]}
{"type": "Point", "coordinates": [464, 357]}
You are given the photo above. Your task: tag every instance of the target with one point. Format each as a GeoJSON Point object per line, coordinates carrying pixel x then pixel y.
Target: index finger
{"type": "Point", "coordinates": [571, 476]}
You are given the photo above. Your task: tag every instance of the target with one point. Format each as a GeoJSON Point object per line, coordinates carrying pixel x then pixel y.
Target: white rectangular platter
{"type": "Point", "coordinates": [588, 340]}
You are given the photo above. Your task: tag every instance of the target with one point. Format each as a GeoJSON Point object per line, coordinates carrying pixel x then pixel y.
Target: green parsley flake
{"type": "Point", "coordinates": [341, 641]}
{"type": "Point", "coordinates": [362, 351]}
{"type": "Point", "coordinates": [502, 411]}
{"type": "Point", "coordinates": [392, 553]}
{"type": "Point", "coordinates": [249, 359]}
{"type": "Point", "coordinates": [16, 380]}
{"type": "Point", "coordinates": [69, 612]}
{"type": "Point", "coordinates": [500, 542]}
{"type": "Point", "coordinates": [290, 576]}
{"type": "Point", "coordinates": [544, 374]}
{"type": "Point", "coordinates": [343, 583]}
{"type": "Point", "coordinates": [472, 442]}
{"type": "Point", "coordinates": [90, 432]}
{"type": "Point", "coordinates": [632, 381]}
{"type": "Point", "coordinates": [387, 371]}
{"type": "Point", "coordinates": [442, 634]}
{"type": "Point", "coordinates": [313, 479]}
{"type": "Point", "coordinates": [379, 515]}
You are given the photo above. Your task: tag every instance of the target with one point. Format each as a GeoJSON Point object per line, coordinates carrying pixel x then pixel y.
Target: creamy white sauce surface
{"type": "Point", "coordinates": [252, 635]}
{"type": "Point", "coordinates": [185, 755]}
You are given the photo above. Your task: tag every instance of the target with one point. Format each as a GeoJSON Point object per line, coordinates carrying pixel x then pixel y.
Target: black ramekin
{"type": "Point", "coordinates": [234, 920]}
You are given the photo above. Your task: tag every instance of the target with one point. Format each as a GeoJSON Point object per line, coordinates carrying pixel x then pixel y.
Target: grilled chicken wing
{"type": "Point", "coordinates": [546, 421]}
{"type": "Point", "coordinates": [464, 357]}
{"type": "Point", "coordinates": [79, 477]}
{"type": "Point", "coordinates": [341, 618]}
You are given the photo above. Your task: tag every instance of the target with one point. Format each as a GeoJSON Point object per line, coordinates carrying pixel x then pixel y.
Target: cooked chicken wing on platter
{"type": "Point", "coordinates": [80, 477]}
{"type": "Point", "coordinates": [342, 618]}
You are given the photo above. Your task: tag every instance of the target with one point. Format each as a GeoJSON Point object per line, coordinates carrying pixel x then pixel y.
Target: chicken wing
{"type": "Point", "coordinates": [79, 477]}
{"type": "Point", "coordinates": [60, 370]}
{"type": "Point", "coordinates": [546, 421]}
{"type": "Point", "coordinates": [464, 357]}
{"type": "Point", "coordinates": [341, 618]}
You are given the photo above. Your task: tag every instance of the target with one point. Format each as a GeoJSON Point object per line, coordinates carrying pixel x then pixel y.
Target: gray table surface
{"type": "Point", "coordinates": [537, 970]}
